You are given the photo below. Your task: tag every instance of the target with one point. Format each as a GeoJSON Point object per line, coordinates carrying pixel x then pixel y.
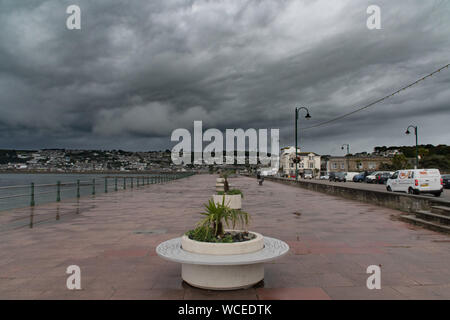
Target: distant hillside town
{"type": "Point", "coordinates": [65, 160]}
{"type": "Point", "coordinates": [62, 160]}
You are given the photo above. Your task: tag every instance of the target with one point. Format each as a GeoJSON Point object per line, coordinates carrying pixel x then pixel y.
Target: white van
{"type": "Point", "coordinates": [416, 181]}
{"type": "Point", "coordinates": [349, 175]}
{"type": "Point", "coordinates": [265, 172]}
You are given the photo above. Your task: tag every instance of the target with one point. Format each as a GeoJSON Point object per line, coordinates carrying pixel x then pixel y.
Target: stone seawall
{"type": "Point", "coordinates": [393, 200]}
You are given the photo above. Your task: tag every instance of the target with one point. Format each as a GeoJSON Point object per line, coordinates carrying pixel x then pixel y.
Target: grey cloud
{"type": "Point", "coordinates": [137, 70]}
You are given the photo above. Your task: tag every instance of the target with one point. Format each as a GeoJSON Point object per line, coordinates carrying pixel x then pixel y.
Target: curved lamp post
{"type": "Point", "coordinates": [348, 152]}
{"type": "Point", "coordinates": [417, 148]}
{"type": "Point", "coordinates": [296, 141]}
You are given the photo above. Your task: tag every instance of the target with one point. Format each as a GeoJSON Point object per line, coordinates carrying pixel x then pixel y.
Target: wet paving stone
{"type": "Point", "coordinates": [112, 238]}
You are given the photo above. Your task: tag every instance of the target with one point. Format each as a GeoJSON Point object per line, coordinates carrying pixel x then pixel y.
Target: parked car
{"type": "Point", "coordinates": [337, 176]}
{"type": "Point", "coordinates": [416, 181]}
{"type": "Point", "coordinates": [382, 178]}
{"type": "Point", "coordinates": [446, 181]}
{"type": "Point", "coordinates": [371, 177]}
{"type": "Point", "coordinates": [361, 176]}
{"type": "Point", "coordinates": [308, 174]}
{"type": "Point", "coordinates": [324, 177]}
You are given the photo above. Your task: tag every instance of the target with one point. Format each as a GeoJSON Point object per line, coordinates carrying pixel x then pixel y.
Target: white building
{"type": "Point", "coordinates": [308, 161]}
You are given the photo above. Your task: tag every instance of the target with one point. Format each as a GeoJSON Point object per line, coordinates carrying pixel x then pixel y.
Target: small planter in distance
{"type": "Point", "coordinates": [222, 184]}
{"type": "Point", "coordinates": [232, 198]}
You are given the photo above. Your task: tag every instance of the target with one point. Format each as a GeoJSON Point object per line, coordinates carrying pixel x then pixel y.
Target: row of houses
{"type": "Point", "coordinates": [316, 164]}
{"type": "Point", "coordinates": [356, 163]}
{"type": "Point", "coordinates": [307, 161]}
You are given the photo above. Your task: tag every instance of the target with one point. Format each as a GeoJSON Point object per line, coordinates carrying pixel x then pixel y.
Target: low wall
{"type": "Point", "coordinates": [393, 200]}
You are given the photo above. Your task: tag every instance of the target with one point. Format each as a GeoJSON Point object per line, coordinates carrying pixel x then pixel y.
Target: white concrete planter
{"type": "Point", "coordinates": [222, 266]}
{"type": "Point", "coordinates": [233, 201]}
{"type": "Point", "coordinates": [222, 277]}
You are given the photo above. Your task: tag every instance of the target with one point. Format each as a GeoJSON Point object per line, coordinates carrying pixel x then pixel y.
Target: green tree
{"type": "Point", "coordinates": [436, 161]}
{"type": "Point", "coordinates": [423, 152]}
{"type": "Point", "coordinates": [399, 161]}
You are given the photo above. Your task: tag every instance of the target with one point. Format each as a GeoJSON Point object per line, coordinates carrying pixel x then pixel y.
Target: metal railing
{"type": "Point", "coordinates": [104, 185]}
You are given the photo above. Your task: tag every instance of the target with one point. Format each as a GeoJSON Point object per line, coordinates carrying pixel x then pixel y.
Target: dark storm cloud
{"type": "Point", "coordinates": [139, 69]}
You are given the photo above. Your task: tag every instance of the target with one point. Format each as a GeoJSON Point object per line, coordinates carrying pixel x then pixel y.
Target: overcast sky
{"type": "Point", "coordinates": [139, 69]}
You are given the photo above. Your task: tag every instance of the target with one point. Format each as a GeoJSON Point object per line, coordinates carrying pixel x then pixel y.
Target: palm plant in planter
{"type": "Point", "coordinates": [211, 228]}
{"type": "Point", "coordinates": [222, 183]}
{"type": "Point", "coordinates": [211, 237]}
{"type": "Point", "coordinates": [232, 196]}
{"type": "Point", "coordinates": [226, 185]}
{"type": "Point", "coordinates": [218, 259]}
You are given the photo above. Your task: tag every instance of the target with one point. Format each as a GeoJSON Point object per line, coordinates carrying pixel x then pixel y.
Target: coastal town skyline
{"type": "Point", "coordinates": [66, 160]}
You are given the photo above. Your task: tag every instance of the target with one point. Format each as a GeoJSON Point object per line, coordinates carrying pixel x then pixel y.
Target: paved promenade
{"type": "Point", "coordinates": [113, 237]}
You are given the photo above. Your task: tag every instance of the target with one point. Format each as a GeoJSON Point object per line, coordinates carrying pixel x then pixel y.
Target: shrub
{"type": "Point", "coordinates": [225, 176]}
{"type": "Point", "coordinates": [206, 234]}
{"type": "Point", "coordinates": [231, 192]}
{"type": "Point", "coordinates": [211, 228]}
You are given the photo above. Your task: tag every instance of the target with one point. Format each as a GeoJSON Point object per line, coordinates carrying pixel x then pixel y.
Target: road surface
{"type": "Point", "coordinates": [372, 186]}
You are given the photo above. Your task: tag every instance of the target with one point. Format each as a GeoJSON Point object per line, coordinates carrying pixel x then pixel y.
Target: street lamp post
{"type": "Point", "coordinates": [348, 152]}
{"type": "Point", "coordinates": [417, 144]}
{"type": "Point", "coordinates": [297, 110]}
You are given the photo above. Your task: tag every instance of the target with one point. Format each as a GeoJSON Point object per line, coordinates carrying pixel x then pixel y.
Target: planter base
{"type": "Point", "coordinates": [222, 277]}
{"type": "Point", "coordinates": [222, 272]}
